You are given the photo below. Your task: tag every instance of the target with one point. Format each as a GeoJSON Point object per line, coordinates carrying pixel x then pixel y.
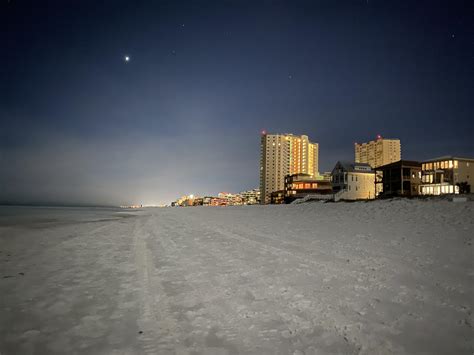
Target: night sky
{"type": "Point", "coordinates": [81, 125]}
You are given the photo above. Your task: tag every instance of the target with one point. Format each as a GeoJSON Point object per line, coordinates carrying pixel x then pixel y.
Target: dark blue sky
{"type": "Point", "coordinates": [79, 125]}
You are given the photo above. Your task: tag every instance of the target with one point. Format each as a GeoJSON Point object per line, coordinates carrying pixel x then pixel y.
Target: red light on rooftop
{"type": "Point", "coordinates": [263, 132]}
{"type": "Point", "coordinates": [379, 136]}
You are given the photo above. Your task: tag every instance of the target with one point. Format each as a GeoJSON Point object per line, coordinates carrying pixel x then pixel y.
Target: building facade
{"type": "Point", "coordinates": [277, 197]}
{"type": "Point", "coordinates": [379, 152]}
{"type": "Point", "coordinates": [250, 197]}
{"type": "Point", "coordinates": [282, 155]}
{"type": "Point", "coordinates": [300, 185]}
{"type": "Point", "coordinates": [447, 175]}
{"type": "Point", "coordinates": [217, 201]}
{"type": "Point", "coordinates": [402, 178]}
{"type": "Point", "coordinates": [354, 181]}
{"type": "Point", "coordinates": [230, 198]}
{"type": "Point", "coordinates": [326, 176]}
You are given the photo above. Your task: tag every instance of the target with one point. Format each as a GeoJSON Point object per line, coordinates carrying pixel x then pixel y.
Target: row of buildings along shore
{"type": "Point", "coordinates": [250, 197]}
{"type": "Point", "coordinates": [289, 171]}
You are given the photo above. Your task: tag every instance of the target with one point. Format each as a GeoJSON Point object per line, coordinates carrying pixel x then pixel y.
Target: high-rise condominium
{"type": "Point", "coordinates": [379, 152]}
{"type": "Point", "coordinates": [281, 155]}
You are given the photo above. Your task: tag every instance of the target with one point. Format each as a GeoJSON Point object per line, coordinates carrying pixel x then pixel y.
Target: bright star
{"type": "Point", "coordinates": [127, 58]}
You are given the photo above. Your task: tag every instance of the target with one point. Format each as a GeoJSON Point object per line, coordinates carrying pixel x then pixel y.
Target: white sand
{"type": "Point", "coordinates": [370, 278]}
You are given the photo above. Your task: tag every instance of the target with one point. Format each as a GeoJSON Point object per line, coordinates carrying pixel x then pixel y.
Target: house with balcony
{"type": "Point", "coordinates": [301, 185]}
{"type": "Point", "coordinates": [447, 175]}
{"type": "Point", "coordinates": [401, 178]}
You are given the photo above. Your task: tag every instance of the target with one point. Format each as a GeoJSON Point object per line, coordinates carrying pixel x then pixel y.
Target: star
{"type": "Point", "coordinates": [126, 58]}
{"type": "Point", "coordinates": [290, 76]}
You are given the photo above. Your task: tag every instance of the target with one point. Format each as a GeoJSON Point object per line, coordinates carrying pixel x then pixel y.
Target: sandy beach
{"type": "Point", "coordinates": [384, 277]}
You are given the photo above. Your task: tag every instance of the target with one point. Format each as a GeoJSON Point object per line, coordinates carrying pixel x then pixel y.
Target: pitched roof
{"type": "Point", "coordinates": [355, 167]}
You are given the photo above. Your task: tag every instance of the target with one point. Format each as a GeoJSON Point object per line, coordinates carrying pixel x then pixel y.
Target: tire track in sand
{"type": "Point", "coordinates": [158, 325]}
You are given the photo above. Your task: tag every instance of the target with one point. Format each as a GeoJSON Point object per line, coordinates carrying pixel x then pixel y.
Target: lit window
{"type": "Point", "coordinates": [455, 164]}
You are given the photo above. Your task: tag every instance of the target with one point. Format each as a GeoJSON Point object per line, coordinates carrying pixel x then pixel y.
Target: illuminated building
{"type": "Point", "coordinates": [230, 198]}
{"type": "Point", "coordinates": [326, 176]}
{"type": "Point", "coordinates": [447, 175]}
{"type": "Point", "coordinates": [380, 152]}
{"type": "Point", "coordinates": [282, 155]}
{"type": "Point", "coordinates": [277, 197]}
{"type": "Point", "coordinates": [355, 181]}
{"type": "Point", "coordinates": [401, 178]}
{"type": "Point", "coordinates": [198, 201]}
{"type": "Point", "coordinates": [217, 201]}
{"type": "Point", "coordinates": [300, 185]}
{"type": "Point", "coordinates": [250, 197]}
{"type": "Point", "coordinates": [185, 201]}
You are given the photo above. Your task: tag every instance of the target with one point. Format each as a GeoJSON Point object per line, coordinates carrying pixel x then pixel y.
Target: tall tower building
{"type": "Point", "coordinates": [379, 152]}
{"type": "Point", "coordinates": [281, 155]}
